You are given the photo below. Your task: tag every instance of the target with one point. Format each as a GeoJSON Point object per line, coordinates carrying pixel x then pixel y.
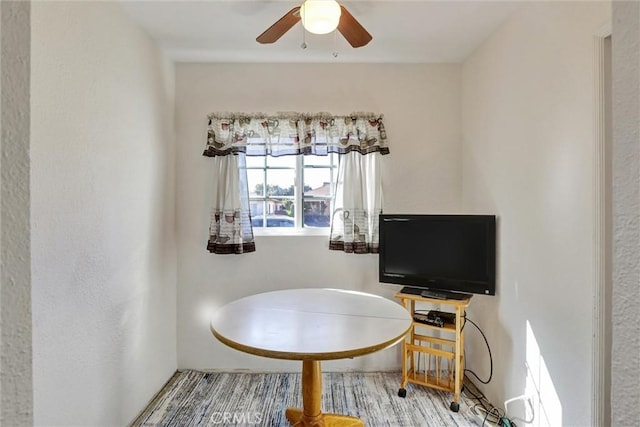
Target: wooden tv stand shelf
{"type": "Point", "coordinates": [442, 355]}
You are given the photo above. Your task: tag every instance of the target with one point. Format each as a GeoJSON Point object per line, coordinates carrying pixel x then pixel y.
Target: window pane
{"type": "Point", "coordinates": [318, 160]}
{"type": "Point", "coordinates": [280, 221]}
{"type": "Point", "coordinates": [257, 221]}
{"type": "Point", "coordinates": [280, 212]}
{"type": "Point", "coordinates": [317, 213]}
{"type": "Point", "coordinates": [282, 161]}
{"type": "Point", "coordinates": [255, 161]}
{"type": "Point", "coordinates": [255, 178]}
{"type": "Point", "coordinates": [272, 180]}
{"type": "Point", "coordinates": [281, 182]}
{"type": "Point", "coordinates": [317, 182]}
{"type": "Point", "coordinates": [256, 207]}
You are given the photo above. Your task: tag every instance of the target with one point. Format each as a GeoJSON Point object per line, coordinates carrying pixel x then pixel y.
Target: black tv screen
{"type": "Point", "coordinates": [441, 253]}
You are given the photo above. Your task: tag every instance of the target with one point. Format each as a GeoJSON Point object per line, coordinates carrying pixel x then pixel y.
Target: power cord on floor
{"type": "Point", "coordinates": [479, 405]}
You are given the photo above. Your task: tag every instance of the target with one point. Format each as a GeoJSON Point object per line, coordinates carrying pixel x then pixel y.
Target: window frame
{"type": "Point", "coordinates": [298, 197]}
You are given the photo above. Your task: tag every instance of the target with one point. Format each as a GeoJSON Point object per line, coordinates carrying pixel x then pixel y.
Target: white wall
{"type": "Point", "coordinates": [527, 154]}
{"type": "Point", "coordinates": [103, 252]}
{"type": "Point", "coordinates": [422, 174]}
{"type": "Point", "coordinates": [16, 403]}
{"type": "Point", "coordinates": [626, 206]}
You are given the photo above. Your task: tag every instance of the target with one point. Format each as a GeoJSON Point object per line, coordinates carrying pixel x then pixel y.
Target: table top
{"type": "Point", "coordinates": [311, 324]}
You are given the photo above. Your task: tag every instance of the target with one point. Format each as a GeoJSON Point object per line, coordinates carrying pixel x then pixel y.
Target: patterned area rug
{"type": "Point", "coordinates": [194, 398]}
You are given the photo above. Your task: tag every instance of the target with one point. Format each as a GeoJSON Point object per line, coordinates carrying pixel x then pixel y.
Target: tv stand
{"type": "Point", "coordinates": [432, 294]}
{"type": "Point", "coordinates": [430, 357]}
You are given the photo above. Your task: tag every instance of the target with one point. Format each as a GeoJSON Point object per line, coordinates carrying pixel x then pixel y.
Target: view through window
{"type": "Point", "coordinates": [291, 191]}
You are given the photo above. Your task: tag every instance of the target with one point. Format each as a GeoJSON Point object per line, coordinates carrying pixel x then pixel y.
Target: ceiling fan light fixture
{"type": "Point", "coordinates": [320, 16]}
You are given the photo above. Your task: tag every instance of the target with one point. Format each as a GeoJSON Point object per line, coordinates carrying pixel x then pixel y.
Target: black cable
{"type": "Point", "coordinates": [481, 400]}
{"type": "Point", "coordinates": [493, 415]}
{"type": "Point", "coordinates": [475, 396]}
{"type": "Point", "coordinates": [488, 348]}
{"type": "Point", "coordinates": [485, 418]}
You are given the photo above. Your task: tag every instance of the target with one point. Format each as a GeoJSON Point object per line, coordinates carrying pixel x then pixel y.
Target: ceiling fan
{"type": "Point", "coordinates": [319, 17]}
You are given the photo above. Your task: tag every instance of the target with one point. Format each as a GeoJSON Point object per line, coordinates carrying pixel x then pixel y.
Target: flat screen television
{"type": "Point", "coordinates": [439, 256]}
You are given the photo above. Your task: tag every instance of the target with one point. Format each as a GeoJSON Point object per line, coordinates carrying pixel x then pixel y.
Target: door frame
{"type": "Point", "coordinates": [601, 365]}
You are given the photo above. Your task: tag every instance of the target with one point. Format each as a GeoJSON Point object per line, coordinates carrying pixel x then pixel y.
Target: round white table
{"type": "Point", "coordinates": [311, 325]}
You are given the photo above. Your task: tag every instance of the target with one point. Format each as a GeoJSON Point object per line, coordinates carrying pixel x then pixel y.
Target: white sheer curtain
{"type": "Point", "coordinates": [357, 204]}
{"type": "Point", "coordinates": [230, 229]}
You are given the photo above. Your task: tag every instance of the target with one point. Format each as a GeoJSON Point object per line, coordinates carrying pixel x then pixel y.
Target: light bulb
{"type": "Point", "coordinates": [320, 16]}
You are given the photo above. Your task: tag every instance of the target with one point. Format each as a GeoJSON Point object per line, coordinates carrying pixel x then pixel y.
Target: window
{"type": "Point", "coordinates": [291, 192]}
{"type": "Point", "coordinates": [295, 195]}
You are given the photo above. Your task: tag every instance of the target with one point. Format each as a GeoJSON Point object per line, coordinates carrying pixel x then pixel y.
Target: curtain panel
{"type": "Point", "coordinates": [291, 134]}
{"type": "Point", "coordinates": [357, 204]}
{"type": "Point", "coordinates": [230, 229]}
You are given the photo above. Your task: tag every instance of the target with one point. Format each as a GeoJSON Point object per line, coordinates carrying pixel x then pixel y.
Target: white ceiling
{"type": "Point", "coordinates": [403, 31]}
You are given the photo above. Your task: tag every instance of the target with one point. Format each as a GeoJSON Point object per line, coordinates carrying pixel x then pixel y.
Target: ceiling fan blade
{"type": "Point", "coordinates": [351, 29]}
{"type": "Point", "coordinates": [281, 26]}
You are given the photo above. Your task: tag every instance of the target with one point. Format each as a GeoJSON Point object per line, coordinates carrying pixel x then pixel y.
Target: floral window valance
{"type": "Point", "coordinates": [291, 134]}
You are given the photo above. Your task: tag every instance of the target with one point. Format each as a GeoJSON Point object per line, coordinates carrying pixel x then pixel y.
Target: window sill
{"type": "Point", "coordinates": [283, 231]}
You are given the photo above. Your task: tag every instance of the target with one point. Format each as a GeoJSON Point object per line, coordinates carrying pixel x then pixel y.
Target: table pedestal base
{"type": "Point", "coordinates": [297, 419]}
{"type": "Point", "coordinates": [310, 415]}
